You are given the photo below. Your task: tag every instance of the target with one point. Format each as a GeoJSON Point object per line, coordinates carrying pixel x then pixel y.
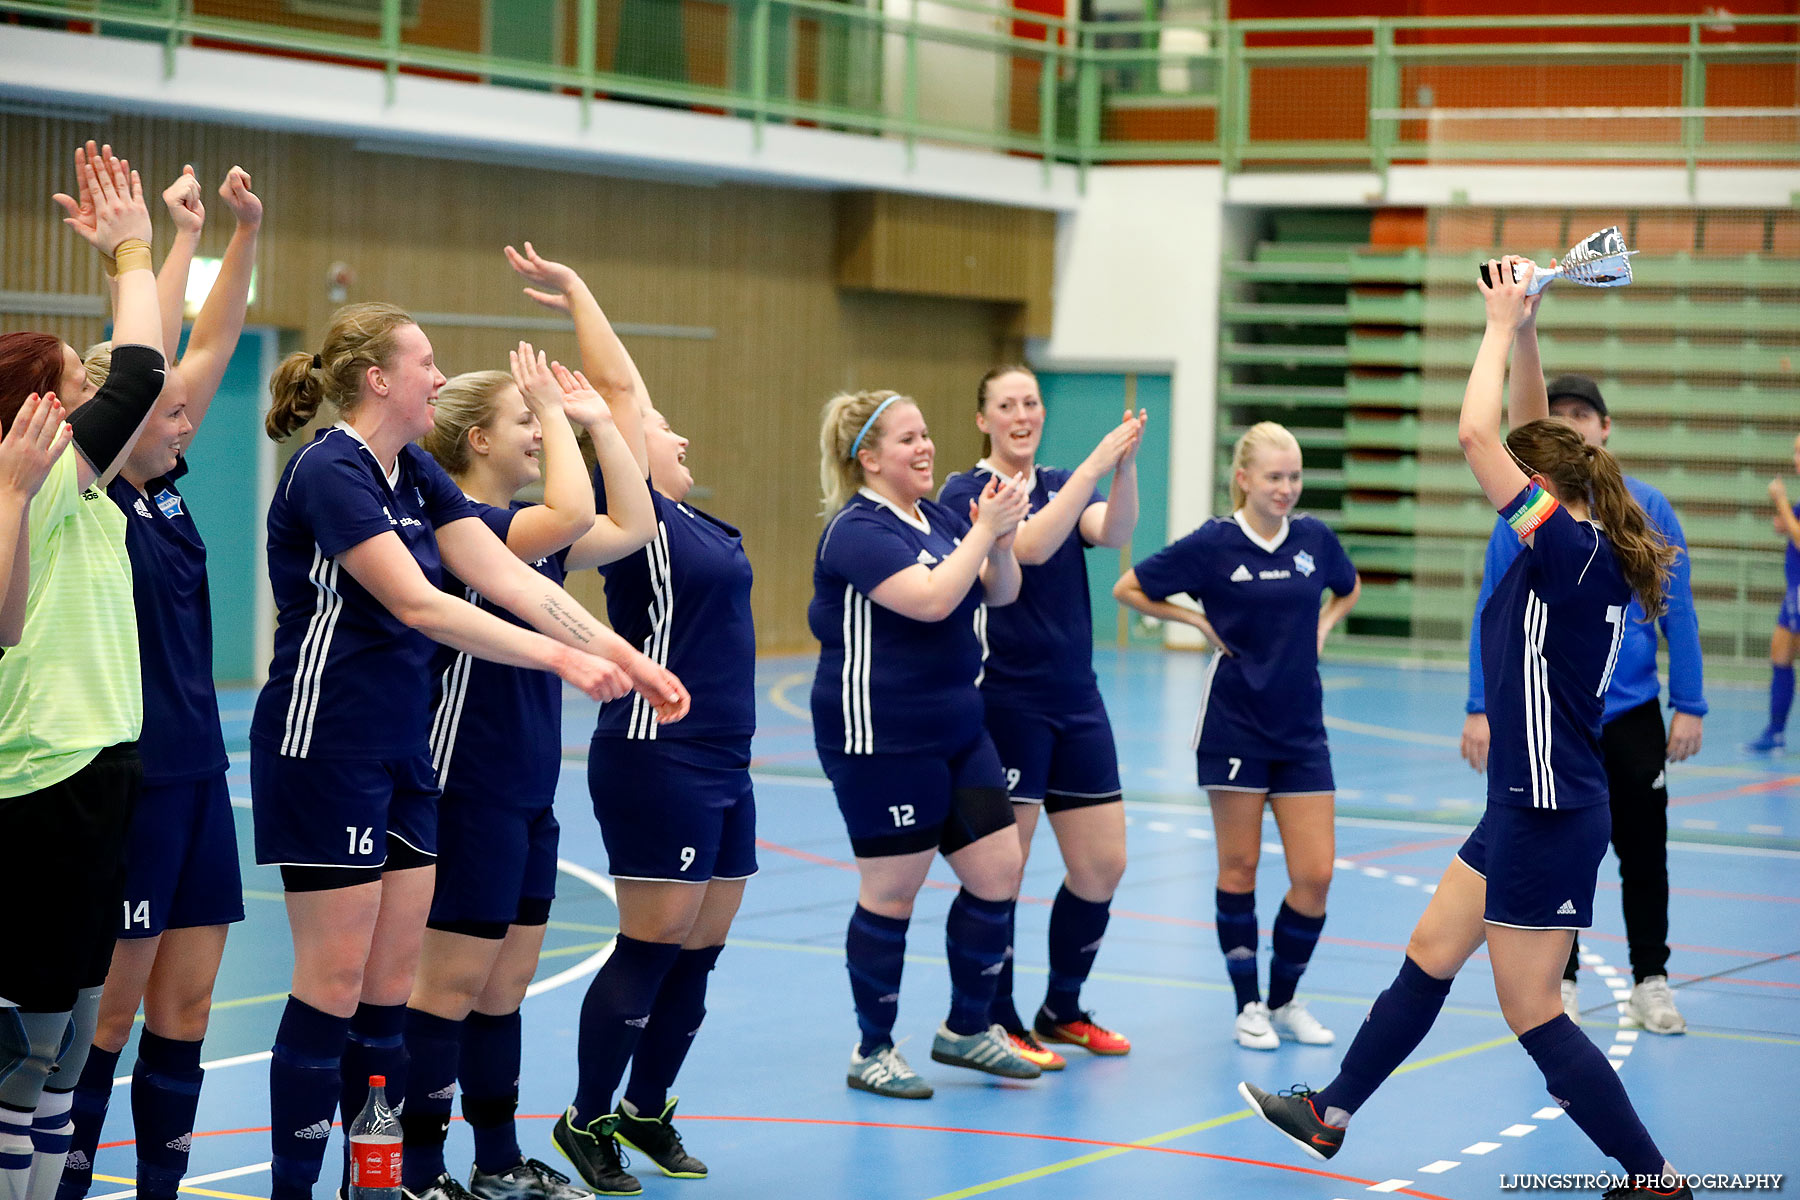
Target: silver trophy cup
{"type": "Point", "coordinates": [1599, 260]}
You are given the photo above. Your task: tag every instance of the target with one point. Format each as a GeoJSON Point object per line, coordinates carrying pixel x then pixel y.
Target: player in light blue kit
{"type": "Point", "coordinates": [1785, 641]}
{"type": "Point", "coordinates": [1260, 577]}
{"type": "Point", "coordinates": [1524, 881]}
{"type": "Point", "coordinates": [1044, 709]}
{"type": "Point", "coordinates": [901, 587]}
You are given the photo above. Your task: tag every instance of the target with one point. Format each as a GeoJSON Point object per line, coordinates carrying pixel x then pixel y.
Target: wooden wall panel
{"type": "Point", "coordinates": [755, 265]}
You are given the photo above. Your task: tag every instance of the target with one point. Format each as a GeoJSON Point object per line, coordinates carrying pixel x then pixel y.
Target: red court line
{"type": "Point", "coordinates": [999, 1133]}
{"type": "Point", "coordinates": [1747, 789]}
{"type": "Point", "coordinates": [1433, 844]}
{"type": "Point", "coordinates": [1704, 894]}
{"type": "Point", "coordinates": [1597, 935]}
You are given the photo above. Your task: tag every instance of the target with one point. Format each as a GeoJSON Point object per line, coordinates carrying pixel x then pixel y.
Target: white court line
{"type": "Point", "coordinates": [586, 966]}
{"type": "Point", "coordinates": [192, 1181]}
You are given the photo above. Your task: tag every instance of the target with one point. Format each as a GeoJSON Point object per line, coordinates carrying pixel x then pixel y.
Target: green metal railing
{"type": "Point", "coordinates": [1362, 92]}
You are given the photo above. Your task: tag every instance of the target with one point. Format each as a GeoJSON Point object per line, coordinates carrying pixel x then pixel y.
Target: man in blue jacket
{"type": "Point", "coordinates": [1633, 740]}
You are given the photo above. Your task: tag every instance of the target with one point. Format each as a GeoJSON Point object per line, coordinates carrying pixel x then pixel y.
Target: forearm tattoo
{"type": "Point", "coordinates": [558, 607]}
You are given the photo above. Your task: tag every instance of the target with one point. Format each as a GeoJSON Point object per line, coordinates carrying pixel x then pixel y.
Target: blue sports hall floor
{"type": "Point", "coordinates": [763, 1095]}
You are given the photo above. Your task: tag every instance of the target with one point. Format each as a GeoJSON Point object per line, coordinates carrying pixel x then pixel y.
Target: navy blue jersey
{"type": "Point", "coordinates": [1041, 646]}
{"type": "Point", "coordinates": [684, 600]}
{"type": "Point", "coordinates": [349, 679]}
{"type": "Point", "coordinates": [887, 684]}
{"type": "Point", "coordinates": [181, 741]}
{"type": "Point", "coordinates": [1550, 638]}
{"type": "Point", "coordinates": [1793, 559]}
{"type": "Point", "coordinates": [1263, 700]}
{"type": "Point", "coordinates": [496, 731]}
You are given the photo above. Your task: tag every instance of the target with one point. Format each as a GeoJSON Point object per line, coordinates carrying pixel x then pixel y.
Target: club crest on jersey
{"type": "Point", "coordinates": [1241, 575]}
{"type": "Point", "coordinates": [169, 503]}
{"type": "Point", "coordinates": [1303, 563]}
{"type": "Point", "coordinates": [927, 558]}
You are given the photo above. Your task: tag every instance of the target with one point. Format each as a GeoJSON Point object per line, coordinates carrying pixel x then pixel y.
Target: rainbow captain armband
{"type": "Point", "coordinates": [1529, 510]}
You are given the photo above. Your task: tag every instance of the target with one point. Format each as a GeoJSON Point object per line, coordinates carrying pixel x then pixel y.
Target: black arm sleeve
{"type": "Point", "coordinates": [105, 424]}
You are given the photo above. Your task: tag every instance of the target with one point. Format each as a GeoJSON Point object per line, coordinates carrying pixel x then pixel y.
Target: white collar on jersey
{"type": "Point", "coordinates": [990, 468]}
{"type": "Point", "coordinates": [393, 476]}
{"type": "Point", "coordinates": [919, 522]}
{"type": "Point", "coordinates": [1269, 545]}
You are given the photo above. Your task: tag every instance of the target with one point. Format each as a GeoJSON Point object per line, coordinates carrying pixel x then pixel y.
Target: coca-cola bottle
{"type": "Point", "coordinates": [375, 1148]}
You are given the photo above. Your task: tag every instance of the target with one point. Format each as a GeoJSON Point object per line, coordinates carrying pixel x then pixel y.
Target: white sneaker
{"type": "Point", "coordinates": [1571, 996]}
{"type": "Point", "coordinates": [1294, 1023]}
{"type": "Point", "coordinates": [1252, 1028]}
{"type": "Point", "coordinates": [1654, 1006]}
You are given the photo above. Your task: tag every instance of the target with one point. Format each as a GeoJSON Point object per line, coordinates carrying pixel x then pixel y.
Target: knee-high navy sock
{"type": "Point", "coordinates": [1004, 1011]}
{"type": "Point", "coordinates": [433, 1049]}
{"type": "Point", "coordinates": [1397, 1022]}
{"type": "Point", "coordinates": [975, 937]}
{"type": "Point", "coordinates": [1076, 928]}
{"type": "Point", "coordinates": [1781, 696]}
{"type": "Point", "coordinates": [875, 954]}
{"type": "Point", "coordinates": [674, 1020]}
{"type": "Point", "coordinates": [303, 1092]}
{"type": "Point", "coordinates": [491, 1056]}
{"type": "Point", "coordinates": [375, 1045]}
{"type": "Point", "coordinates": [92, 1095]}
{"type": "Point", "coordinates": [1582, 1080]}
{"type": "Point", "coordinates": [613, 1017]}
{"type": "Point", "coordinates": [165, 1093]}
{"type": "Point", "coordinates": [1292, 939]}
{"type": "Point", "coordinates": [1236, 921]}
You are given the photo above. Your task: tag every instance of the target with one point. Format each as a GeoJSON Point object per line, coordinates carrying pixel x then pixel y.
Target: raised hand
{"type": "Point", "coordinates": [80, 207]}
{"type": "Point", "coordinates": [552, 281]}
{"type": "Point", "coordinates": [243, 203]}
{"type": "Point", "coordinates": [37, 436]}
{"type": "Point", "coordinates": [1778, 492]}
{"type": "Point", "coordinates": [116, 196]}
{"type": "Point", "coordinates": [581, 400]}
{"type": "Point", "coordinates": [537, 384]}
{"type": "Point", "coordinates": [1505, 297]}
{"type": "Point", "coordinates": [182, 199]}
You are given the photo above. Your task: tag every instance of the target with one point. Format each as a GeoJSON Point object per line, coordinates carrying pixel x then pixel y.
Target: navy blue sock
{"type": "Point", "coordinates": [1781, 696]}
{"type": "Point", "coordinates": [375, 1045]}
{"type": "Point", "coordinates": [874, 954]}
{"type": "Point", "coordinates": [613, 1017]}
{"type": "Point", "coordinates": [1292, 939]}
{"type": "Point", "coordinates": [1397, 1022]}
{"type": "Point", "coordinates": [1236, 920]}
{"type": "Point", "coordinates": [1582, 1080]}
{"type": "Point", "coordinates": [165, 1093]}
{"type": "Point", "coordinates": [674, 1020]}
{"type": "Point", "coordinates": [1076, 927]}
{"type": "Point", "coordinates": [93, 1092]}
{"type": "Point", "coordinates": [433, 1050]}
{"type": "Point", "coordinates": [1004, 1011]}
{"type": "Point", "coordinates": [976, 934]}
{"type": "Point", "coordinates": [303, 1092]}
{"type": "Point", "coordinates": [489, 1074]}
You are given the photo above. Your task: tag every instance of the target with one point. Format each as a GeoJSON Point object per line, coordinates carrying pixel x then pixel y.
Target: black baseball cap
{"type": "Point", "coordinates": [1577, 387]}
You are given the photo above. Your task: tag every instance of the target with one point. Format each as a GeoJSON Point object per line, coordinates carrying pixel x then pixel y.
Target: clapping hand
{"type": "Point", "coordinates": [552, 280]}
{"type": "Point", "coordinates": [1003, 504]}
{"type": "Point", "coordinates": [182, 199]}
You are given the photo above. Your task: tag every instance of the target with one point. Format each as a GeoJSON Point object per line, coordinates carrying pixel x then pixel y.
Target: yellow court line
{"type": "Point", "coordinates": [193, 1191]}
{"type": "Point", "coordinates": [1156, 1139]}
{"type": "Point", "coordinates": [778, 695]}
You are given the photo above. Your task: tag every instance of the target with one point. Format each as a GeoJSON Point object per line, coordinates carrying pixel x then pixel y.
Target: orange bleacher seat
{"type": "Point", "coordinates": [1464, 229]}
{"type": "Point", "coordinates": [1529, 230]}
{"type": "Point", "coordinates": [1665, 231]}
{"type": "Point", "coordinates": [1726, 232]}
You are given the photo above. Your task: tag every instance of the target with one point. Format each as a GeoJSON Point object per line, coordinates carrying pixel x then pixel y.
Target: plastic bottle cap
{"type": "Point", "coordinates": [377, 1081]}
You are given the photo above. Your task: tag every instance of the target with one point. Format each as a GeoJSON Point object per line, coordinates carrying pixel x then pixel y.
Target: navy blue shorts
{"type": "Point", "coordinates": [678, 809]}
{"type": "Point", "coordinates": [1540, 864]}
{"type": "Point", "coordinates": [1275, 776]}
{"type": "Point", "coordinates": [496, 865]}
{"type": "Point", "coordinates": [181, 863]}
{"type": "Point", "coordinates": [903, 803]}
{"type": "Point", "coordinates": [1789, 617]}
{"type": "Point", "coordinates": [1059, 760]}
{"type": "Point", "coordinates": [340, 812]}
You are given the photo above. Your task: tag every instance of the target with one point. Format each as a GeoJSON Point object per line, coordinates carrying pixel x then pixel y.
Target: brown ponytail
{"type": "Point", "coordinates": [360, 336]}
{"type": "Point", "coordinates": [1555, 450]}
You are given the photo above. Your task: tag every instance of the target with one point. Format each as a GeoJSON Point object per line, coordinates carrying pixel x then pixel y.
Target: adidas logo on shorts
{"type": "Point", "coordinates": [184, 1143]}
{"type": "Point", "coordinates": [637, 1022]}
{"type": "Point", "coordinates": [315, 1131]}
{"type": "Point", "coordinates": [77, 1161]}
{"type": "Point", "coordinates": [1567, 909]}
{"type": "Point", "coordinates": [447, 1092]}
{"type": "Point", "coordinates": [994, 970]}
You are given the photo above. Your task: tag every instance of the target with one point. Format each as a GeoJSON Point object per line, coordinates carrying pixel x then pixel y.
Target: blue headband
{"type": "Point", "coordinates": [870, 424]}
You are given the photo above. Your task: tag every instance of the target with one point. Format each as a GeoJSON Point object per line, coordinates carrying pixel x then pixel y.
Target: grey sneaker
{"type": "Point", "coordinates": [1653, 1006]}
{"type": "Point", "coordinates": [885, 1073]}
{"type": "Point", "coordinates": [990, 1050]}
{"type": "Point", "coordinates": [1571, 998]}
{"type": "Point", "coordinates": [530, 1180]}
{"type": "Point", "coordinates": [442, 1188]}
